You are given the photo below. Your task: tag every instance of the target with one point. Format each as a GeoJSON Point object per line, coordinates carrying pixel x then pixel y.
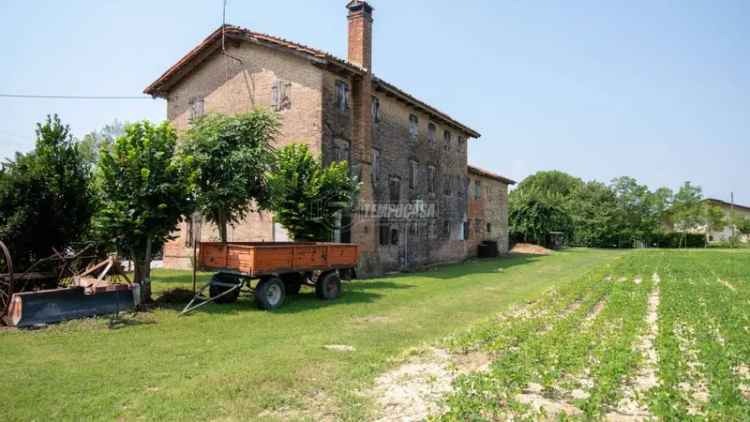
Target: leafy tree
{"type": "Point", "coordinates": [46, 200]}
{"type": "Point", "coordinates": [305, 196]}
{"type": "Point", "coordinates": [714, 219]}
{"type": "Point", "coordinates": [533, 215]}
{"type": "Point", "coordinates": [595, 214]}
{"type": "Point", "coordinates": [550, 183]}
{"type": "Point", "coordinates": [687, 208]}
{"type": "Point", "coordinates": [91, 143]}
{"type": "Point", "coordinates": [228, 158]}
{"type": "Point", "coordinates": [540, 204]}
{"type": "Point", "coordinates": [641, 212]}
{"type": "Point", "coordinates": [143, 194]}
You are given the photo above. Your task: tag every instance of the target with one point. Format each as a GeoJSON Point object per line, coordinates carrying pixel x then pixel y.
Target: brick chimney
{"type": "Point", "coordinates": [360, 33]}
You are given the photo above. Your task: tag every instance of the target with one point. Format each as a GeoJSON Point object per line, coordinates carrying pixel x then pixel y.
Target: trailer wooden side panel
{"type": "Point", "coordinates": [255, 259]}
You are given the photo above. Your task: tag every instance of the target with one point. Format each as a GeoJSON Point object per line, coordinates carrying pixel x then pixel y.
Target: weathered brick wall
{"type": "Point", "coordinates": [423, 242]}
{"type": "Point", "coordinates": [491, 208]}
{"type": "Point", "coordinates": [228, 86]}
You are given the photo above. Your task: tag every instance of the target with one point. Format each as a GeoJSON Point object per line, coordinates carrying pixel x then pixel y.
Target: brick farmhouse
{"type": "Point", "coordinates": [406, 153]}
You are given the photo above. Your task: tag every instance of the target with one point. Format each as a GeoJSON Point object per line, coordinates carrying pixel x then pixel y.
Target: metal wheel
{"type": "Point", "coordinates": [6, 278]}
{"type": "Point", "coordinates": [270, 293]}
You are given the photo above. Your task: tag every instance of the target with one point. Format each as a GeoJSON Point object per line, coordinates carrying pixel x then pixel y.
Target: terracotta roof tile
{"type": "Point", "coordinates": [163, 84]}
{"type": "Point", "coordinates": [481, 172]}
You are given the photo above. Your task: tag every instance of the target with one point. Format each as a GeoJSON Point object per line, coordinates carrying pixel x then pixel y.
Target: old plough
{"type": "Point", "coordinates": [66, 285]}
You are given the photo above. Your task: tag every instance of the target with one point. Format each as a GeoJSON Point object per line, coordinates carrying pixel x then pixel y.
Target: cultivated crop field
{"type": "Point", "coordinates": [654, 334]}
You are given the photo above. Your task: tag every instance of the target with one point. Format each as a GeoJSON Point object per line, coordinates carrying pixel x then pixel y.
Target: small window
{"type": "Point", "coordinates": [413, 168]}
{"type": "Point", "coordinates": [448, 137]}
{"type": "Point", "coordinates": [375, 171]}
{"type": "Point", "coordinates": [431, 129]}
{"type": "Point", "coordinates": [281, 95]}
{"type": "Point", "coordinates": [447, 185]}
{"type": "Point", "coordinates": [375, 109]}
{"type": "Point", "coordinates": [431, 179]}
{"type": "Point", "coordinates": [413, 126]}
{"type": "Point", "coordinates": [489, 228]}
{"type": "Point", "coordinates": [461, 141]}
{"type": "Point", "coordinates": [477, 189]}
{"type": "Point", "coordinates": [395, 190]}
{"type": "Point", "coordinates": [478, 226]}
{"type": "Point", "coordinates": [385, 232]}
{"type": "Point", "coordinates": [465, 230]}
{"type": "Point", "coordinates": [196, 107]}
{"type": "Point", "coordinates": [394, 237]}
{"type": "Point", "coordinates": [341, 150]}
{"type": "Point", "coordinates": [342, 95]}
{"type": "Point", "coordinates": [447, 229]}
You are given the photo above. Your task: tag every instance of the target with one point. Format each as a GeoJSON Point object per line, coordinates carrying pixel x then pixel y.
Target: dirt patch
{"type": "Point", "coordinates": [312, 409]}
{"type": "Point", "coordinates": [527, 248]}
{"type": "Point", "coordinates": [697, 388]}
{"type": "Point", "coordinates": [552, 409]}
{"type": "Point", "coordinates": [595, 311]}
{"type": "Point", "coordinates": [413, 390]}
{"type": "Point", "coordinates": [743, 372]}
{"type": "Point", "coordinates": [630, 407]}
{"type": "Point", "coordinates": [373, 319]}
{"type": "Point", "coordinates": [637, 280]}
{"type": "Point", "coordinates": [728, 285]}
{"type": "Point", "coordinates": [339, 348]}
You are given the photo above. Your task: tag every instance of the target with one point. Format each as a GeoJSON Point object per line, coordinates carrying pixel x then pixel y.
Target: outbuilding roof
{"type": "Point", "coordinates": [488, 174]}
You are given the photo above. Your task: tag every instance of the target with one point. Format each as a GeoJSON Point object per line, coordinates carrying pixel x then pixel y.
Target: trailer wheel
{"type": "Point", "coordinates": [328, 286]}
{"type": "Point", "coordinates": [292, 283]}
{"type": "Point", "coordinates": [216, 290]}
{"type": "Point", "coordinates": [270, 293]}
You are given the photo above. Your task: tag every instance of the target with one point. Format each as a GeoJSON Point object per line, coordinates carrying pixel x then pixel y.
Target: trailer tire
{"type": "Point", "coordinates": [292, 283]}
{"type": "Point", "coordinates": [270, 293]}
{"type": "Point", "coordinates": [328, 286]}
{"type": "Point", "coordinates": [217, 290]}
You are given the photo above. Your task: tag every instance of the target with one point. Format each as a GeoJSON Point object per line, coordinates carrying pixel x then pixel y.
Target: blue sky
{"type": "Point", "coordinates": [658, 90]}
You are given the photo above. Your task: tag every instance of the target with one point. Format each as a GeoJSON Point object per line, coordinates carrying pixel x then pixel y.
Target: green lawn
{"type": "Point", "coordinates": [235, 362]}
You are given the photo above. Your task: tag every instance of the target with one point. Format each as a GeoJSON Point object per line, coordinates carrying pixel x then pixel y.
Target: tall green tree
{"type": "Point", "coordinates": [46, 200]}
{"type": "Point", "coordinates": [228, 158]}
{"type": "Point", "coordinates": [596, 216]}
{"type": "Point", "coordinates": [687, 209]}
{"type": "Point", "coordinates": [533, 215]}
{"type": "Point", "coordinates": [305, 196]}
{"type": "Point", "coordinates": [714, 219]}
{"type": "Point", "coordinates": [143, 194]}
{"type": "Point", "coordinates": [93, 142]}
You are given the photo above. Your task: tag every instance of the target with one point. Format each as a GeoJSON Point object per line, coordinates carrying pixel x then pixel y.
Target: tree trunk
{"type": "Point", "coordinates": [143, 273]}
{"type": "Point", "coordinates": [221, 223]}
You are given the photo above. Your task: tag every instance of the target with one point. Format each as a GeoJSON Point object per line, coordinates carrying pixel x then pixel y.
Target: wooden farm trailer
{"type": "Point", "coordinates": [277, 268]}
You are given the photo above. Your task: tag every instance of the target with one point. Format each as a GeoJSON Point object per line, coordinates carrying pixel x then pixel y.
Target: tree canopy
{"type": "Point", "coordinates": [227, 159]}
{"type": "Point", "coordinates": [143, 193]}
{"type": "Point", "coordinates": [46, 199]}
{"type": "Point", "coordinates": [305, 196]}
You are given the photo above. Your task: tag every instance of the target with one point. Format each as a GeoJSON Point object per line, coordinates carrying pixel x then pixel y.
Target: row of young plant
{"type": "Point", "coordinates": [573, 347]}
{"type": "Point", "coordinates": [703, 339]}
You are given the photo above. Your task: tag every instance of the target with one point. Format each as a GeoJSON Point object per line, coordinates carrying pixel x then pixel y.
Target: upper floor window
{"type": "Point", "coordinates": [489, 228]}
{"type": "Point", "coordinates": [281, 95]}
{"type": "Point", "coordinates": [395, 190]}
{"type": "Point", "coordinates": [447, 181]}
{"type": "Point", "coordinates": [461, 141]}
{"type": "Point", "coordinates": [342, 95]}
{"type": "Point", "coordinates": [413, 126]}
{"type": "Point", "coordinates": [448, 137]}
{"type": "Point", "coordinates": [413, 167]}
{"type": "Point", "coordinates": [375, 109]}
{"type": "Point", "coordinates": [431, 129]}
{"type": "Point", "coordinates": [196, 107]}
{"type": "Point", "coordinates": [477, 189]}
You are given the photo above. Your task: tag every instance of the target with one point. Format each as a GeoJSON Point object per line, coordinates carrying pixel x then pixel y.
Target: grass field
{"type": "Point", "coordinates": [233, 362]}
{"type": "Point", "coordinates": [659, 334]}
